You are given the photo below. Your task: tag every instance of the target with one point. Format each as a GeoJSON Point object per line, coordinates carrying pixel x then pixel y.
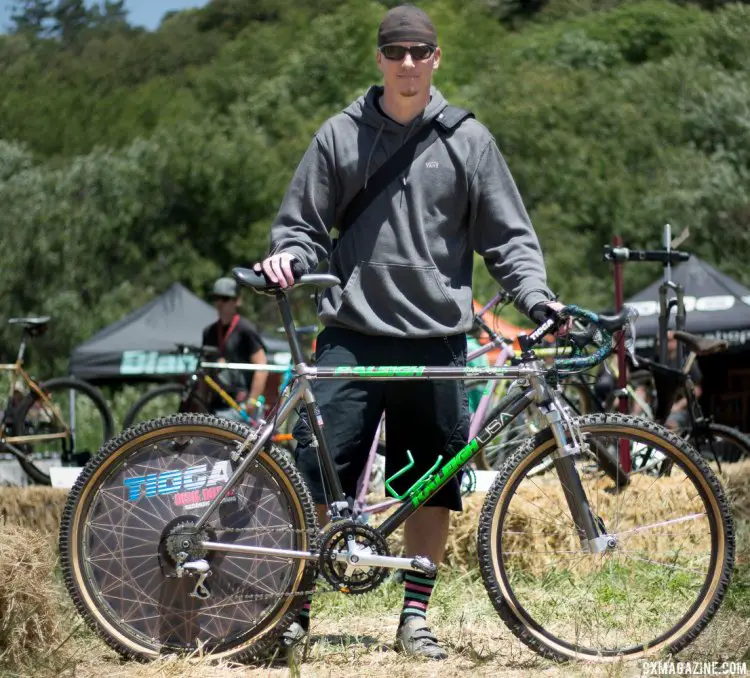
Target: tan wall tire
{"type": "Point", "coordinates": [281, 480]}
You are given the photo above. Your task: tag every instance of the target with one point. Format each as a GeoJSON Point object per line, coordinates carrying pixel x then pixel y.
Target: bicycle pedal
{"type": "Point", "coordinates": [424, 565]}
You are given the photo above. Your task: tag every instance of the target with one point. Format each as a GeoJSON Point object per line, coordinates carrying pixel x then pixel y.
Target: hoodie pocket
{"type": "Point", "coordinates": [400, 299]}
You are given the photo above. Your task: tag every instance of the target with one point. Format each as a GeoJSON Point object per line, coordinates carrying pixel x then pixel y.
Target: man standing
{"type": "Point", "coordinates": [237, 342]}
{"type": "Point", "coordinates": [405, 262]}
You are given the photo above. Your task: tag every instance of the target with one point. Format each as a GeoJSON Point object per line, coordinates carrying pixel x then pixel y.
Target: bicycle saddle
{"type": "Point", "coordinates": [257, 281]}
{"type": "Point", "coordinates": [701, 345]}
{"type": "Point", "coordinates": [193, 349]}
{"type": "Point", "coordinates": [38, 321]}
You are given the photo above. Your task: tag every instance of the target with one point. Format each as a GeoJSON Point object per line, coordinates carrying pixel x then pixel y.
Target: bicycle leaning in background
{"type": "Point", "coordinates": [199, 389]}
{"type": "Point", "coordinates": [62, 421]}
{"type": "Point", "coordinates": [193, 533]}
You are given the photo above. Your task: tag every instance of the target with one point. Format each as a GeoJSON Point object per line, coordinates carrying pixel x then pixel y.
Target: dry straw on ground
{"type": "Point", "coordinates": [33, 614]}
{"type": "Point", "coordinates": [34, 507]}
{"type": "Point", "coordinates": [29, 602]}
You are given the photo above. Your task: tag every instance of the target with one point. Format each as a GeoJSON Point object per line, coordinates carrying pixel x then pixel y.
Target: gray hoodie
{"type": "Point", "coordinates": [406, 263]}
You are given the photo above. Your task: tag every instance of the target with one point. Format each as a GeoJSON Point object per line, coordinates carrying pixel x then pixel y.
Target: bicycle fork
{"type": "Point", "coordinates": [591, 529]}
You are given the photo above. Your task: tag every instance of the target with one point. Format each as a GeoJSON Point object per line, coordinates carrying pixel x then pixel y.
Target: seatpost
{"type": "Point", "coordinates": [663, 322]}
{"type": "Point", "coordinates": [288, 322]}
{"type": "Point", "coordinates": [21, 349]}
{"type": "Point", "coordinates": [663, 302]}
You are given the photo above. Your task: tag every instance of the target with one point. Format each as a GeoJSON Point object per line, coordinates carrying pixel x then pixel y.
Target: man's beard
{"type": "Point", "coordinates": [411, 92]}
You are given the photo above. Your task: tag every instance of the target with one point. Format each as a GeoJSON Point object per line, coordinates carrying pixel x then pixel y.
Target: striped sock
{"type": "Point", "coordinates": [417, 590]}
{"type": "Point", "coordinates": [304, 615]}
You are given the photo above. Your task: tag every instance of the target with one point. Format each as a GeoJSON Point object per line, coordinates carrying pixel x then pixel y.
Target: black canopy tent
{"type": "Point", "coordinates": [716, 305]}
{"type": "Point", "coordinates": [719, 307]}
{"type": "Point", "coordinates": [141, 345]}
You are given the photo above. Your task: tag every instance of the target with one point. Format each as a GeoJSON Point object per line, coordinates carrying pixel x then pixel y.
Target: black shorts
{"type": "Point", "coordinates": [428, 418]}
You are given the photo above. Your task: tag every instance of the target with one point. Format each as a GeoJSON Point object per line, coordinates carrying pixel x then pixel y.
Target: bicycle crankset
{"type": "Point", "coordinates": [353, 540]}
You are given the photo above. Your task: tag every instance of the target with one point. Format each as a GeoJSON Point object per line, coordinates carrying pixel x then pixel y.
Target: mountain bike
{"type": "Point", "coordinates": [194, 534]}
{"type": "Point", "coordinates": [715, 442]}
{"type": "Point", "coordinates": [61, 420]}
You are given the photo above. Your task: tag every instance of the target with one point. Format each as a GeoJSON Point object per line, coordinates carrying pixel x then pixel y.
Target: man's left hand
{"type": "Point", "coordinates": [556, 306]}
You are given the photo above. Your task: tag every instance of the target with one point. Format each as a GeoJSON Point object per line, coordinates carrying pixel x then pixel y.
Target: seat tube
{"type": "Point", "coordinates": [324, 454]}
{"type": "Point", "coordinates": [340, 506]}
{"type": "Point", "coordinates": [680, 320]}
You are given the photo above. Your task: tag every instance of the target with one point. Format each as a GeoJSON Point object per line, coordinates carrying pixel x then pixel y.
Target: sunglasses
{"type": "Point", "coordinates": [223, 300]}
{"type": "Point", "coordinates": [398, 52]}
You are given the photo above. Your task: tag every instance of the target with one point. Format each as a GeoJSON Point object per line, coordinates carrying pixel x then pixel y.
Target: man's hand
{"type": "Point", "coordinates": [278, 269]}
{"type": "Point", "coordinates": [555, 306]}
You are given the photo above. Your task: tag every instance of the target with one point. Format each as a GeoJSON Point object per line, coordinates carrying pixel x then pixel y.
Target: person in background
{"type": "Point", "coordinates": [679, 416]}
{"type": "Point", "coordinates": [237, 342]}
{"type": "Point", "coordinates": [474, 391]}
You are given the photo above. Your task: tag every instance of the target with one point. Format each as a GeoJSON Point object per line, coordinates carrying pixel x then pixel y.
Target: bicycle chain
{"type": "Point", "coordinates": [275, 596]}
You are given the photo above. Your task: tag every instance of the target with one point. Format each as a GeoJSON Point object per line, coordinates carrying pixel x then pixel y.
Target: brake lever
{"type": "Point", "coordinates": [629, 339]}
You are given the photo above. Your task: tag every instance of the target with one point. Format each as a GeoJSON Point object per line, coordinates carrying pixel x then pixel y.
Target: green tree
{"type": "Point", "coordinates": [31, 16]}
{"type": "Point", "coordinates": [71, 19]}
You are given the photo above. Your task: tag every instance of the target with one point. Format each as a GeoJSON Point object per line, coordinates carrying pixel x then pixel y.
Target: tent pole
{"type": "Point", "coordinates": [622, 365]}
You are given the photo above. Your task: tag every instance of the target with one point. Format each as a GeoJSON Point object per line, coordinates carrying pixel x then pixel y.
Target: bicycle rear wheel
{"type": "Point", "coordinates": [144, 490]}
{"type": "Point", "coordinates": [657, 584]}
{"type": "Point", "coordinates": [68, 425]}
{"type": "Point", "coordinates": [722, 442]}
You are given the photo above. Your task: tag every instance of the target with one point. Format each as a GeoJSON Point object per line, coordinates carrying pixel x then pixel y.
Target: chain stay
{"type": "Point", "coordinates": [276, 596]}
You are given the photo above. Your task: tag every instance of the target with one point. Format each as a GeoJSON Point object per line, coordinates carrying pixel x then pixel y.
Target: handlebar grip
{"type": "Point", "coordinates": [540, 313]}
{"type": "Point", "coordinates": [249, 277]}
{"type": "Point", "coordinates": [549, 322]}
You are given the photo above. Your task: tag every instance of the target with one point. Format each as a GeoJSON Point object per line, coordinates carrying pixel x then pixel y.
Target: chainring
{"type": "Point", "coordinates": [348, 577]}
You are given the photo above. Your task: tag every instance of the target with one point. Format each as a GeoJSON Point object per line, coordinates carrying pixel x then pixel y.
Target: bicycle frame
{"type": "Point", "coordinates": [475, 420]}
{"type": "Point", "coordinates": [18, 371]}
{"type": "Point", "coordinates": [534, 389]}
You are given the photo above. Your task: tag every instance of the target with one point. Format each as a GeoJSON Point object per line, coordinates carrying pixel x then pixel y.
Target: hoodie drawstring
{"type": "Point", "coordinates": [372, 151]}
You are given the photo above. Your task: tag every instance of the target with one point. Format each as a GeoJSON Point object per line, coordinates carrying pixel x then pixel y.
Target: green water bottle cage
{"type": "Point", "coordinates": [416, 485]}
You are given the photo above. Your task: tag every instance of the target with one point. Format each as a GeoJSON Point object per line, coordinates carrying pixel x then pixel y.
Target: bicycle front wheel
{"type": "Point", "coordinates": [68, 423]}
{"type": "Point", "coordinates": [667, 563]}
{"type": "Point", "coordinates": [128, 523]}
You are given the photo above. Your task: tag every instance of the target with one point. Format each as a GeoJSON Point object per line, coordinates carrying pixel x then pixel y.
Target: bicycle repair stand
{"type": "Point", "coordinates": [618, 255]}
